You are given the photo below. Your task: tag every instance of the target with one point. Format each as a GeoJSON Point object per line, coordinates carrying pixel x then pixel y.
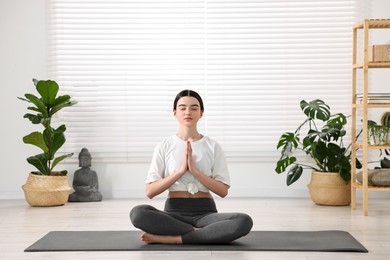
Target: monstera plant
{"type": "Point", "coordinates": [50, 139]}
{"type": "Point", "coordinates": [323, 141]}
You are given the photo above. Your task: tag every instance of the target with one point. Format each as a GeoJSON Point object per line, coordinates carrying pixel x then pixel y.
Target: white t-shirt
{"type": "Point", "coordinates": [207, 154]}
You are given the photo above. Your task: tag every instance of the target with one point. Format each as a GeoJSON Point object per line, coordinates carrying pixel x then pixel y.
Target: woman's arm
{"type": "Point", "coordinates": [219, 188]}
{"type": "Point", "coordinates": [155, 188]}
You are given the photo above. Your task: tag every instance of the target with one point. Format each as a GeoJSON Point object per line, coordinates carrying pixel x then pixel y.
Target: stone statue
{"type": "Point", "coordinates": [85, 181]}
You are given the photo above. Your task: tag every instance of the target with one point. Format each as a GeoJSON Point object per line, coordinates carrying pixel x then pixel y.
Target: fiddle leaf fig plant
{"type": "Point", "coordinates": [51, 139]}
{"type": "Point", "coordinates": [323, 142]}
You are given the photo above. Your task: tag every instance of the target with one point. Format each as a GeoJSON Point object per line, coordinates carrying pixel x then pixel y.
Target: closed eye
{"type": "Point", "coordinates": [184, 107]}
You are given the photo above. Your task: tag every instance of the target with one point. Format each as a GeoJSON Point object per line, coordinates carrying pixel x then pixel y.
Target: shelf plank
{"type": "Point", "coordinates": [374, 24]}
{"type": "Point", "coordinates": [373, 65]}
{"type": "Point", "coordinates": [387, 146]}
{"type": "Point", "coordinates": [372, 105]}
{"type": "Point", "coordinates": [357, 185]}
{"type": "Point", "coordinates": [379, 64]}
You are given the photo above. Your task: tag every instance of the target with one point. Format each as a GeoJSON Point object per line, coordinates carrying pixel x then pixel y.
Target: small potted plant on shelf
{"type": "Point", "coordinates": [377, 134]}
{"type": "Point", "coordinates": [385, 120]}
{"type": "Point", "coordinates": [323, 143]}
{"type": "Point", "coordinates": [46, 187]}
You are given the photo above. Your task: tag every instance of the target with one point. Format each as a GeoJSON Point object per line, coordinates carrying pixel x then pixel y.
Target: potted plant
{"type": "Point", "coordinates": [385, 120]}
{"type": "Point", "coordinates": [46, 187]}
{"type": "Point", "coordinates": [323, 143]}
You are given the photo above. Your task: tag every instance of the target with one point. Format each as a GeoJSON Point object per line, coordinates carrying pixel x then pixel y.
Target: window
{"type": "Point", "coordinates": [252, 62]}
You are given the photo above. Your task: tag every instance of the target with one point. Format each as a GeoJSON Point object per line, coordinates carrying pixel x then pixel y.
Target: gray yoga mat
{"type": "Point", "coordinates": [327, 241]}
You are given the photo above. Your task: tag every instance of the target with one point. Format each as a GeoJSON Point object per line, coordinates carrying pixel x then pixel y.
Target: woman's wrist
{"type": "Point", "coordinates": [196, 173]}
{"type": "Point", "coordinates": [181, 172]}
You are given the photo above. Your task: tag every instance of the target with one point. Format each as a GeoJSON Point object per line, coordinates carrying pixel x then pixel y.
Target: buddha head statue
{"type": "Point", "coordinates": [85, 158]}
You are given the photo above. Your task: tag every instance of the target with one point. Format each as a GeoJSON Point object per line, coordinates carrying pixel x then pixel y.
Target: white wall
{"type": "Point", "coordinates": [22, 57]}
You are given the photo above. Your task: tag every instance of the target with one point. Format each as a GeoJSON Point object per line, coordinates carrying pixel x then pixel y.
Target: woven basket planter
{"type": "Point", "coordinates": [46, 191]}
{"type": "Point", "coordinates": [328, 188]}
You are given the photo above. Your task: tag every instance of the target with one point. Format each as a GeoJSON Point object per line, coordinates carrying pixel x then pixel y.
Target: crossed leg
{"type": "Point", "coordinates": [219, 228]}
{"type": "Point", "coordinates": [159, 226]}
{"type": "Point", "coordinates": [170, 228]}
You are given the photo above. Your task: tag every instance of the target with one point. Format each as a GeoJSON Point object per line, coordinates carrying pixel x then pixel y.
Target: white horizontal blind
{"type": "Point", "coordinates": [252, 62]}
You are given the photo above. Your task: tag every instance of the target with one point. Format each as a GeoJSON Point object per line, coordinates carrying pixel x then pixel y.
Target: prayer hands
{"type": "Point", "coordinates": [188, 163]}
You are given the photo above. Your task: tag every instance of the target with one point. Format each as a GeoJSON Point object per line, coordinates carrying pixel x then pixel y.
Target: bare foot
{"type": "Point", "coordinates": [158, 239]}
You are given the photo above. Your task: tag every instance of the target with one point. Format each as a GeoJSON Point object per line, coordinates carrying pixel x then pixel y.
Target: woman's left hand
{"type": "Point", "coordinates": [190, 162]}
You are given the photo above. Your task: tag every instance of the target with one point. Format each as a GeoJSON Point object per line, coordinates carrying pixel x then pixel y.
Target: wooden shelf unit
{"type": "Point", "coordinates": [365, 26]}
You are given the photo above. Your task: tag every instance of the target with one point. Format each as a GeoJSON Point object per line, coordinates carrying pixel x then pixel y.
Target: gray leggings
{"type": "Point", "coordinates": [181, 215]}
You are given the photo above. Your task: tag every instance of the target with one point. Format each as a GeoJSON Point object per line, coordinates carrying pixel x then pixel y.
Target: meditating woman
{"type": "Point", "coordinates": [190, 166]}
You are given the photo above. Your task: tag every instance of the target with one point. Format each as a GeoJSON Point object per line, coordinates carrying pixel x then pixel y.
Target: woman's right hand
{"type": "Point", "coordinates": [184, 165]}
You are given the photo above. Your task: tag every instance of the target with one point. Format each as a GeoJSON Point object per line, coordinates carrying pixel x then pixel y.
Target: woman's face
{"type": "Point", "coordinates": [188, 111]}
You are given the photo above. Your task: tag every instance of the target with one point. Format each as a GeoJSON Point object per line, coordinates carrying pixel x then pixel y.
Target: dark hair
{"type": "Point", "coordinates": [188, 93]}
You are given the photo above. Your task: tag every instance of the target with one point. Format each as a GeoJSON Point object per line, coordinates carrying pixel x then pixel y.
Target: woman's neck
{"type": "Point", "coordinates": [187, 134]}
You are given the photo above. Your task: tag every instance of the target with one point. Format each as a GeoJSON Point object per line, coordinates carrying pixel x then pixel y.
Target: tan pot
{"type": "Point", "coordinates": [44, 191]}
{"type": "Point", "coordinates": [328, 188]}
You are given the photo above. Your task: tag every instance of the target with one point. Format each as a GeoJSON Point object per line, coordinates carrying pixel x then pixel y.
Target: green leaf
{"type": "Point", "coordinates": [288, 141]}
{"type": "Point", "coordinates": [282, 164]}
{"type": "Point", "coordinates": [358, 164]}
{"type": "Point", "coordinates": [370, 122]}
{"type": "Point", "coordinates": [61, 99]}
{"type": "Point", "coordinates": [33, 109]}
{"type": "Point", "coordinates": [36, 138]}
{"type": "Point", "coordinates": [309, 140]}
{"type": "Point", "coordinates": [61, 129]}
{"type": "Point", "coordinates": [334, 157]}
{"type": "Point", "coordinates": [57, 142]}
{"type": "Point", "coordinates": [337, 119]}
{"type": "Point", "coordinates": [59, 159]}
{"type": "Point", "coordinates": [60, 106]}
{"type": "Point", "coordinates": [286, 138]}
{"type": "Point", "coordinates": [294, 174]}
{"type": "Point", "coordinates": [38, 103]}
{"type": "Point", "coordinates": [54, 139]}
{"type": "Point", "coordinates": [40, 162]}
{"type": "Point", "coordinates": [48, 90]}
{"type": "Point", "coordinates": [35, 119]}
{"type": "Point", "coordinates": [385, 163]}
{"type": "Point", "coordinates": [319, 150]}
{"type": "Point", "coordinates": [328, 133]}
{"type": "Point", "coordinates": [48, 136]}
{"type": "Point", "coordinates": [24, 99]}
{"type": "Point", "coordinates": [316, 109]}
{"type": "Point", "coordinates": [345, 169]}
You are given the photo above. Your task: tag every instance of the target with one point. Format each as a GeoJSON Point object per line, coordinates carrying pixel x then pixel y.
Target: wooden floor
{"type": "Point", "coordinates": [21, 225]}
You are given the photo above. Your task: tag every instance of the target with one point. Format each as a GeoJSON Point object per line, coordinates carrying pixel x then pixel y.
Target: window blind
{"type": "Point", "coordinates": [252, 61]}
